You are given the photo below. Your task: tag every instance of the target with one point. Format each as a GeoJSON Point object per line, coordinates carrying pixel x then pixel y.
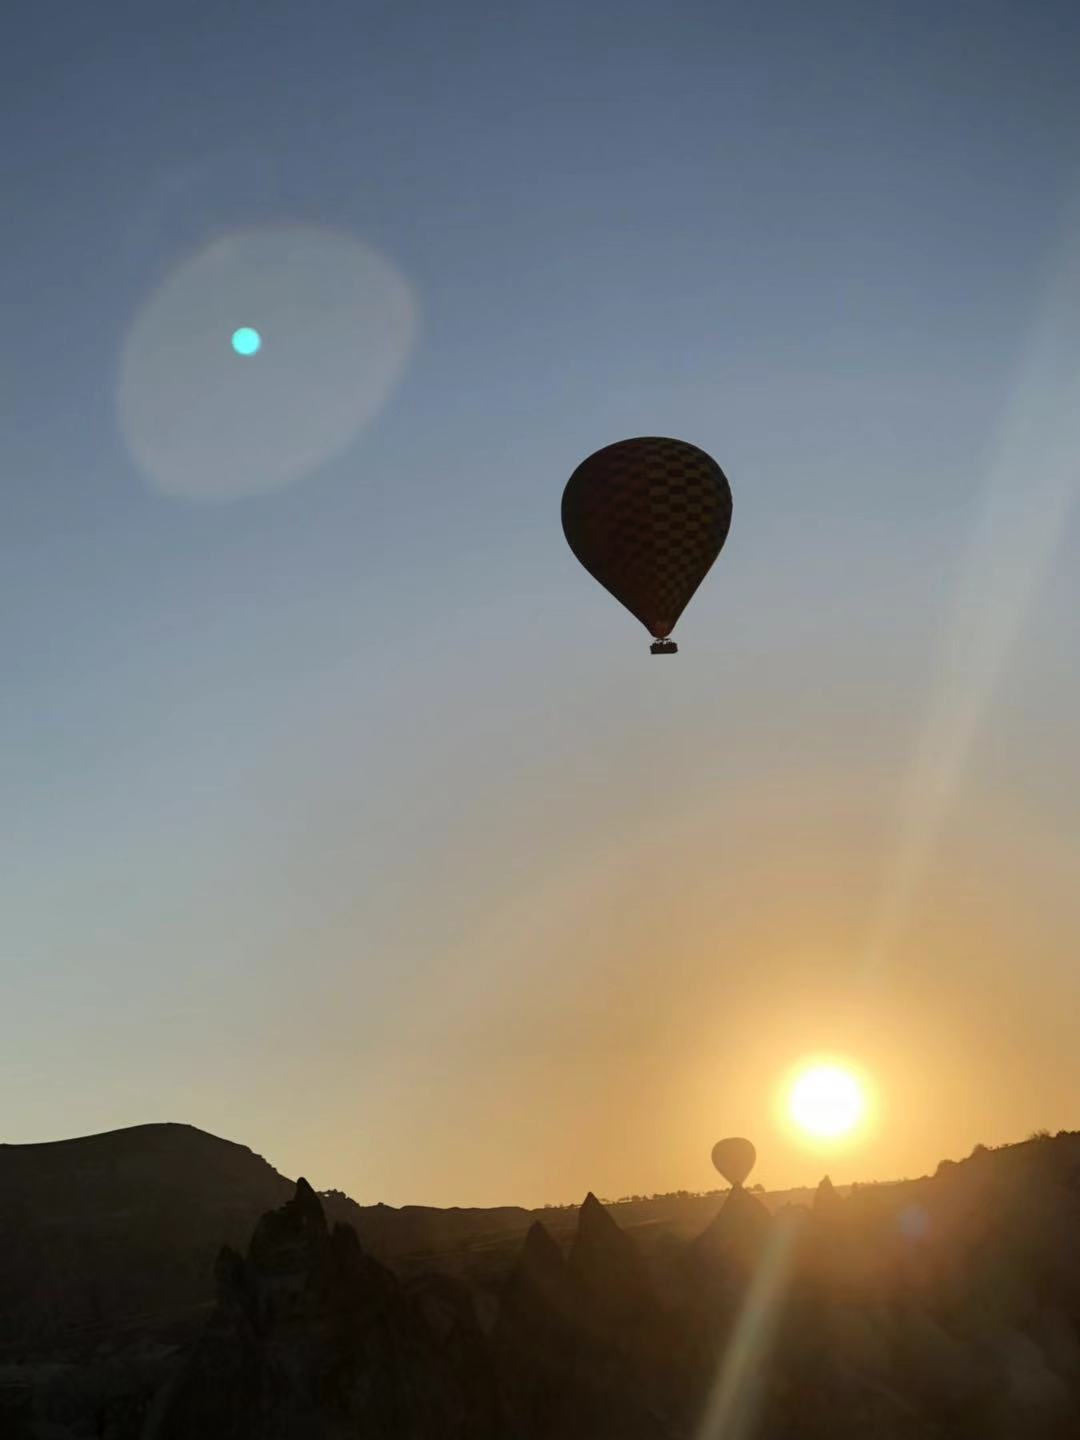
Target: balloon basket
{"type": "Point", "coordinates": [663, 647]}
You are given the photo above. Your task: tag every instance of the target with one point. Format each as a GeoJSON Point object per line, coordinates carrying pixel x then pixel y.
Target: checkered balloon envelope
{"type": "Point", "coordinates": [647, 517]}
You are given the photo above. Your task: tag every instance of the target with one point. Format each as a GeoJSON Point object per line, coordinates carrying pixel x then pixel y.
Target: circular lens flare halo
{"type": "Point", "coordinates": [826, 1101]}
{"type": "Point", "coordinates": [201, 425]}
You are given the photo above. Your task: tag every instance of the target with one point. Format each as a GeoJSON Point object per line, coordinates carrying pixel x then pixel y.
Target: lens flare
{"type": "Point", "coordinates": [246, 341]}
{"type": "Point", "coordinates": [336, 324]}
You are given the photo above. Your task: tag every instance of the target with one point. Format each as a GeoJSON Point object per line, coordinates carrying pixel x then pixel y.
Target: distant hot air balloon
{"type": "Point", "coordinates": [647, 517]}
{"type": "Point", "coordinates": [734, 1158]}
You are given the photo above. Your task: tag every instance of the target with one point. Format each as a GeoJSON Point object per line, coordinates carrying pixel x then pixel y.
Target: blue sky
{"type": "Point", "coordinates": [349, 818]}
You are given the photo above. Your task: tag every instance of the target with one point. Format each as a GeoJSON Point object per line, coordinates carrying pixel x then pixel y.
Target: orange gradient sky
{"type": "Point", "coordinates": [345, 815]}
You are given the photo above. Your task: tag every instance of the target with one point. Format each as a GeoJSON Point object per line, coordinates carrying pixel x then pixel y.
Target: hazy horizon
{"type": "Point", "coordinates": [347, 817]}
{"type": "Point", "coordinates": [323, 1185]}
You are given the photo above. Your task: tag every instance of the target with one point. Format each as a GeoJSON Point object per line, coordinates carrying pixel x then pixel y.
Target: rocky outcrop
{"type": "Point", "coordinates": [734, 1241]}
{"type": "Point", "coordinates": [613, 1287]}
{"type": "Point", "coordinates": [533, 1339]}
{"type": "Point", "coordinates": [574, 1347]}
{"type": "Point", "coordinates": [112, 1237]}
{"type": "Point", "coordinates": [313, 1338]}
{"type": "Point", "coordinates": [945, 1307]}
{"type": "Point", "coordinates": [826, 1200]}
{"type": "Point", "coordinates": [539, 1294]}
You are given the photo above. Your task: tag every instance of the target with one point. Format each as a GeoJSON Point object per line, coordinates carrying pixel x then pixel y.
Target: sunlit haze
{"type": "Point", "coordinates": [346, 816]}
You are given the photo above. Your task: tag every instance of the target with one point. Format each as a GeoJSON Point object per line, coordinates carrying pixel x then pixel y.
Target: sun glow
{"type": "Point", "coordinates": [826, 1101]}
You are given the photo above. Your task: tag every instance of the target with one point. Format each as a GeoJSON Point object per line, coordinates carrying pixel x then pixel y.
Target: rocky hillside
{"type": "Point", "coordinates": [946, 1308]}
{"type": "Point", "coordinates": [116, 1234]}
{"type": "Point", "coordinates": [107, 1232]}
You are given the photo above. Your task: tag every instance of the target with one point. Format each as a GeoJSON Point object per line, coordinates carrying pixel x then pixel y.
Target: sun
{"type": "Point", "coordinates": [827, 1101]}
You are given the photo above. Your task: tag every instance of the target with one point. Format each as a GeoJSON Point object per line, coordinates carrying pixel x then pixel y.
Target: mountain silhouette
{"type": "Point", "coordinates": [103, 1231]}
{"type": "Point", "coordinates": [947, 1307]}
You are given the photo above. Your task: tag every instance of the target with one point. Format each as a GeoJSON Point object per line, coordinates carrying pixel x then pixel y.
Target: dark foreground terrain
{"type": "Point", "coordinates": [159, 1284]}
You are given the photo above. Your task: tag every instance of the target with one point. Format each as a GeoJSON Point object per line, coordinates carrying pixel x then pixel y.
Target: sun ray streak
{"type": "Point", "coordinates": [1032, 487]}
{"type": "Point", "coordinates": [735, 1399]}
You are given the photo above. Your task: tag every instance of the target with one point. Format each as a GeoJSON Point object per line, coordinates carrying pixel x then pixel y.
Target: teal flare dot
{"type": "Point", "coordinates": [246, 341]}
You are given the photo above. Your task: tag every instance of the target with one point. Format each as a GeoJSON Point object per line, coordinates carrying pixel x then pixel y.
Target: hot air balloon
{"type": "Point", "coordinates": [734, 1158]}
{"type": "Point", "coordinates": [647, 517]}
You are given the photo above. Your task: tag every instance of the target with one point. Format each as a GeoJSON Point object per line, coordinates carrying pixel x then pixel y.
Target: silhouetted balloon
{"type": "Point", "coordinates": [647, 517]}
{"type": "Point", "coordinates": [734, 1158]}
